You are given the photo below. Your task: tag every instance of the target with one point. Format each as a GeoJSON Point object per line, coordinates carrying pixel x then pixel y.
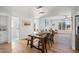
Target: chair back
{"type": "Point", "coordinates": [46, 37]}
{"type": "Point", "coordinates": [53, 33]}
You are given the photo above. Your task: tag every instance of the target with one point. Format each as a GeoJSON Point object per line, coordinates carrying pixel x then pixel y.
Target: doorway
{"type": "Point", "coordinates": [14, 28]}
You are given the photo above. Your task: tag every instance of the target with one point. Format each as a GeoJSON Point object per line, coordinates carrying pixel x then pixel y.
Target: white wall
{"type": "Point", "coordinates": [73, 34]}
{"type": "Point", "coordinates": [23, 31]}
{"type": "Point", "coordinates": [15, 28]}
{"type": "Point", "coordinates": [9, 29]}
{"type": "Point", "coordinates": [26, 30]}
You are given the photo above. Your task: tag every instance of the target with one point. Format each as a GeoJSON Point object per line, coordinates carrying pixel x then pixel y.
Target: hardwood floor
{"type": "Point", "coordinates": [5, 48]}
{"type": "Point", "coordinates": [62, 45]}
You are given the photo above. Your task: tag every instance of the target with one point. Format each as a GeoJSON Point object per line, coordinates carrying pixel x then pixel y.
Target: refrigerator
{"type": "Point", "coordinates": [77, 32]}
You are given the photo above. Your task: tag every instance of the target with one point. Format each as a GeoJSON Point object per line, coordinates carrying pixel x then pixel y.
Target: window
{"type": "Point", "coordinates": [65, 25]}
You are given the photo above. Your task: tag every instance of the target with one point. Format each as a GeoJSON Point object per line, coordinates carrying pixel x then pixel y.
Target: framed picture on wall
{"type": "Point", "coordinates": [26, 23]}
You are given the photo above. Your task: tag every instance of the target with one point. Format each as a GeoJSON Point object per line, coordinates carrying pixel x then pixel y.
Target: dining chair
{"type": "Point", "coordinates": [40, 43]}
{"type": "Point", "coordinates": [52, 38]}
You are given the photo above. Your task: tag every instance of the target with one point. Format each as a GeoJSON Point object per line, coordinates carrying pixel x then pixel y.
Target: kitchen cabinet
{"type": "Point", "coordinates": [3, 29]}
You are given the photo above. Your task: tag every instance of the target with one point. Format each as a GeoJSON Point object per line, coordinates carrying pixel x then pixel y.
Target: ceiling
{"type": "Point", "coordinates": [17, 10]}
{"type": "Point", "coordinates": [27, 11]}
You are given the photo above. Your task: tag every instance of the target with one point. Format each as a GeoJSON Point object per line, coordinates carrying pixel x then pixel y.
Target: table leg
{"type": "Point", "coordinates": [43, 46]}
{"type": "Point", "coordinates": [31, 42]}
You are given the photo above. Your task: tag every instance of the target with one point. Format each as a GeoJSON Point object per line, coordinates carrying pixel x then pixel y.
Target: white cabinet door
{"type": "Point", "coordinates": [3, 29]}
{"type": "Point", "coordinates": [3, 36]}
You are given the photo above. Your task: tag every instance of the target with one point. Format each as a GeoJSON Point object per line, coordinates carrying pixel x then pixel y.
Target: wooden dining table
{"type": "Point", "coordinates": [42, 33]}
{"type": "Point", "coordinates": [39, 37]}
